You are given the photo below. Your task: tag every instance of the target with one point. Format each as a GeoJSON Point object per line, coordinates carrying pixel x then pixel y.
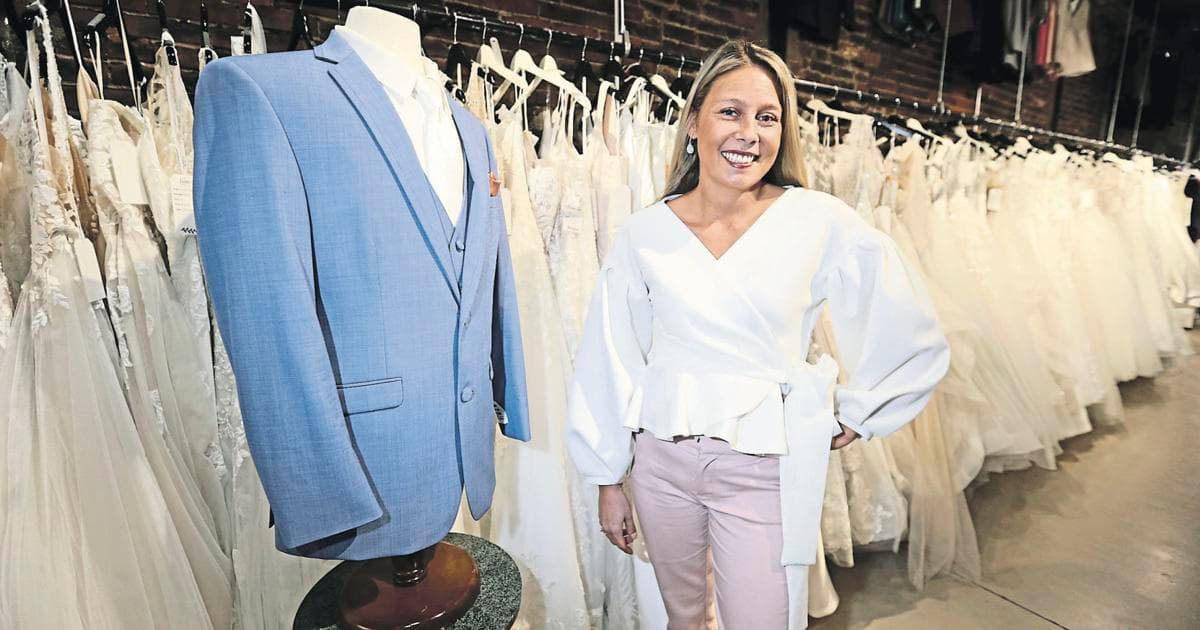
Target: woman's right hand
{"type": "Point", "coordinates": [616, 518]}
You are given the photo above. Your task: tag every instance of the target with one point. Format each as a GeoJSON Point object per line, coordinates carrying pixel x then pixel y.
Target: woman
{"type": "Point", "coordinates": [692, 364]}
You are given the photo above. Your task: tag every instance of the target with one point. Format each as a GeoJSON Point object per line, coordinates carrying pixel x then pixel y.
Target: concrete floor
{"type": "Point", "coordinates": [1110, 540]}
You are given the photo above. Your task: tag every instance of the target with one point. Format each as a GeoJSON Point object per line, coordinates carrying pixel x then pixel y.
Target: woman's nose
{"type": "Point", "coordinates": [747, 132]}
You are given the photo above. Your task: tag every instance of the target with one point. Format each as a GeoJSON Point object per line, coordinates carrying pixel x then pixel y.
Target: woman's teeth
{"type": "Point", "coordinates": [737, 159]}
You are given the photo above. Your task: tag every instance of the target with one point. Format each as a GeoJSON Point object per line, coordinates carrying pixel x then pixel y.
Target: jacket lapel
{"type": "Point", "coordinates": [476, 219]}
{"type": "Point", "coordinates": [367, 96]}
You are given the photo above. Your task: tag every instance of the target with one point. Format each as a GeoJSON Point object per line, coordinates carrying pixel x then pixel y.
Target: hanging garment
{"type": "Point", "coordinates": [359, 366]}
{"type": "Point", "coordinates": [609, 169]}
{"type": "Point", "coordinates": [537, 515]}
{"type": "Point", "coordinates": [1072, 40]}
{"type": "Point", "coordinates": [68, 442]}
{"type": "Point", "coordinates": [637, 371]}
{"type": "Point", "coordinates": [1016, 430]}
{"type": "Point", "coordinates": [572, 244]}
{"type": "Point", "coordinates": [821, 20]}
{"type": "Point", "coordinates": [167, 385]}
{"type": "Point", "coordinates": [14, 194]}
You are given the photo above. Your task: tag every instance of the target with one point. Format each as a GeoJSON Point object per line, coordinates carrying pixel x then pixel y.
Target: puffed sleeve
{"type": "Point", "coordinates": [888, 337]}
{"type": "Point", "coordinates": [608, 368]}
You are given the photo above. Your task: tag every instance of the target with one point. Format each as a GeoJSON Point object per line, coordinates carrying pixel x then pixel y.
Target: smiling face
{"type": "Point", "coordinates": [737, 129]}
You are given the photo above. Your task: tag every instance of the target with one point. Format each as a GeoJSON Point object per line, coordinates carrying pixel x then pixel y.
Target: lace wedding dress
{"type": "Point", "coordinates": [87, 540]}
{"type": "Point", "coordinates": [536, 508]}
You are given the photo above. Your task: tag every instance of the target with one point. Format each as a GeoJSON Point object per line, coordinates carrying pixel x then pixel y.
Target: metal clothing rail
{"type": "Point", "coordinates": [886, 100]}
{"type": "Point", "coordinates": [445, 16]}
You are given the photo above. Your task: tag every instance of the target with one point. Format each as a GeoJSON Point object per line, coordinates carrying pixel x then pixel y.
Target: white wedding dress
{"type": "Point", "coordinates": [87, 540]}
{"type": "Point", "coordinates": [535, 507]}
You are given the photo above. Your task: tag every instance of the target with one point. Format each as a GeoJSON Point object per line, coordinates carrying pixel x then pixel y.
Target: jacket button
{"type": "Point", "coordinates": [468, 394]}
{"type": "Point", "coordinates": [459, 245]}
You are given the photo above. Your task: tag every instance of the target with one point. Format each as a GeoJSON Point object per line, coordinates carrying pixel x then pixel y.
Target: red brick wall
{"type": "Point", "coordinates": [862, 59]}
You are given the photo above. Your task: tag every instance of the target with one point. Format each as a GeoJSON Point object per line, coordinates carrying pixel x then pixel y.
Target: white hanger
{"type": "Point", "coordinates": [1021, 147]}
{"type": "Point", "coordinates": [523, 62]}
{"type": "Point", "coordinates": [492, 61]}
{"type": "Point", "coordinates": [819, 106]}
{"type": "Point", "coordinates": [915, 125]}
{"type": "Point", "coordinates": [661, 85]}
{"type": "Point", "coordinates": [960, 132]}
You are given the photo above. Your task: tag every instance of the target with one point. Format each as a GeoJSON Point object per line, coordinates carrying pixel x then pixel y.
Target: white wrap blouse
{"type": "Point", "coordinates": [678, 342]}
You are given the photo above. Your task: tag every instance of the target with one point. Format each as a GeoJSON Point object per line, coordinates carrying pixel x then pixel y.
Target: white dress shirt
{"type": "Point", "coordinates": [421, 103]}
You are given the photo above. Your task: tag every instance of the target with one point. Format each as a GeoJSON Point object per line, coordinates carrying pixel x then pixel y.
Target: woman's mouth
{"type": "Point", "coordinates": [739, 159]}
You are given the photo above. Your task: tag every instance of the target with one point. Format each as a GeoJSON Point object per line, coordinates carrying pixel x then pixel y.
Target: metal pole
{"type": "Point", "coordinates": [1191, 134]}
{"type": "Point", "coordinates": [1137, 121]}
{"type": "Point", "coordinates": [945, 50]}
{"type": "Point", "coordinates": [1021, 76]}
{"type": "Point", "coordinates": [1112, 117]}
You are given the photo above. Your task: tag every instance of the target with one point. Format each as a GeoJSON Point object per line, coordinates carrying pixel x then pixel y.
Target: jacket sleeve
{"type": "Point", "coordinates": [609, 368]}
{"type": "Point", "coordinates": [508, 359]}
{"type": "Point", "coordinates": [256, 248]}
{"type": "Point", "coordinates": [888, 336]}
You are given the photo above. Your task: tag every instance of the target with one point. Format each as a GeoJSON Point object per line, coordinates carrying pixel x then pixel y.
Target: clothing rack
{"type": "Point", "coordinates": [444, 16]}
{"type": "Point", "coordinates": [884, 100]}
{"type": "Point", "coordinates": [447, 17]}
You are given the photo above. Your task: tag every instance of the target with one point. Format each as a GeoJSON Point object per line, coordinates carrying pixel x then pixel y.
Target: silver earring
{"type": "Point", "coordinates": [691, 147]}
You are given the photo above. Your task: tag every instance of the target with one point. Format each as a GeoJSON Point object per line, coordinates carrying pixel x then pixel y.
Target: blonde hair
{"type": "Point", "coordinates": [788, 169]}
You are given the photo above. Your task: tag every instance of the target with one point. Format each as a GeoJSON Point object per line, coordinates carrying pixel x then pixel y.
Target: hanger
{"type": "Point", "coordinates": [632, 71]}
{"type": "Point", "coordinates": [490, 61]}
{"type": "Point", "coordinates": [457, 59]}
{"type": "Point", "coordinates": [523, 62]}
{"type": "Point", "coordinates": [612, 71]}
{"type": "Point", "coordinates": [300, 29]}
{"type": "Point", "coordinates": [109, 17]}
{"type": "Point", "coordinates": [548, 71]}
{"type": "Point", "coordinates": [248, 29]}
{"type": "Point", "coordinates": [168, 42]}
{"type": "Point", "coordinates": [681, 85]}
{"type": "Point", "coordinates": [660, 84]}
{"type": "Point", "coordinates": [820, 107]}
{"type": "Point", "coordinates": [915, 125]}
{"type": "Point", "coordinates": [584, 74]}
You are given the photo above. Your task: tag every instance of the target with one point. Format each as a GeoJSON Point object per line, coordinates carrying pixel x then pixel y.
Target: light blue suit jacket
{"type": "Point", "coordinates": [369, 336]}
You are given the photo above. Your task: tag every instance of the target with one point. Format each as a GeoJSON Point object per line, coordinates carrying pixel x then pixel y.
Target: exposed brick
{"type": "Point", "coordinates": [863, 58]}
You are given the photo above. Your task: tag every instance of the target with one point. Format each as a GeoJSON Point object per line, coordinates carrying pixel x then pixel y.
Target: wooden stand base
{"type": "Point", "coordinates": [430, 589]}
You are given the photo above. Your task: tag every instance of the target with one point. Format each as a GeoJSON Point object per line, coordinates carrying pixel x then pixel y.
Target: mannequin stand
{"type": "Point", "coordinates": [495, 607]}
{"type": "Point", "coordinates": [432, 588]}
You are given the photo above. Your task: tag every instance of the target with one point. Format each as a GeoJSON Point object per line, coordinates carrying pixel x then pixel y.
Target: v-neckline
{"type": "Point", "coordinates": [728, 250]}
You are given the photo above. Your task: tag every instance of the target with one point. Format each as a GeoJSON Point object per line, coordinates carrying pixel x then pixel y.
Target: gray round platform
{"type": "Point", "coordinates": [495, 609]}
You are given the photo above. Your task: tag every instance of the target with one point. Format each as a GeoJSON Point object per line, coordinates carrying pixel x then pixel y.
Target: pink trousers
{"type": "Point", "coordinates": [696, 498]}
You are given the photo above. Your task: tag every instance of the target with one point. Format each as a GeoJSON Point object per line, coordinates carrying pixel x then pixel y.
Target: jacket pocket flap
{"type": "Point", "coordinates": [376, 395]}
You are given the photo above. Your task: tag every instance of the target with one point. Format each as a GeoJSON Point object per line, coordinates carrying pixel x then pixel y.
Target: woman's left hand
{"type": "Point", "coordinates": [847, 436]}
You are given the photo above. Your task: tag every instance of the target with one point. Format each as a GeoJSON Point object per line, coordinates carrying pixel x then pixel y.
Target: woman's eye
{"type": "Point", "coordinates": [729, 111]}
{"type": "Point", "coordinates": [769, 118]}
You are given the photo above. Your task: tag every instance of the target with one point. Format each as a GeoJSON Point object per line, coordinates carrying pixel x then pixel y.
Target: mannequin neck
{"type": "Point", "coordinates": [389, 31]}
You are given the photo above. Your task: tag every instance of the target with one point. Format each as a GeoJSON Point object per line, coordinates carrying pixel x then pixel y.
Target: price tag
{"type": "Point", "coordinates": [127, 172]}
{"type": "Point", "coordinates": [89, 269]}
{"type": "Point", "coordinates": [995, 199]}
{"type": "Point", "coordinates": [1087, 199]}
{"type": "Point", "coordinates": [506, 203]}
{"type": "Point", "coordinates": [182, 209]}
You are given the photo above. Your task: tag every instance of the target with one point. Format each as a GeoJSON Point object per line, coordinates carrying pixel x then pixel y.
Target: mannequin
{"type": "Point", "coordinates": [441, 582]}
{"type": "Point", "coordinates": [390, 31]}
{"type": "Point", "coordinates": [394, 55]}
{"type": "Point", "coordinates": [356, 259]}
